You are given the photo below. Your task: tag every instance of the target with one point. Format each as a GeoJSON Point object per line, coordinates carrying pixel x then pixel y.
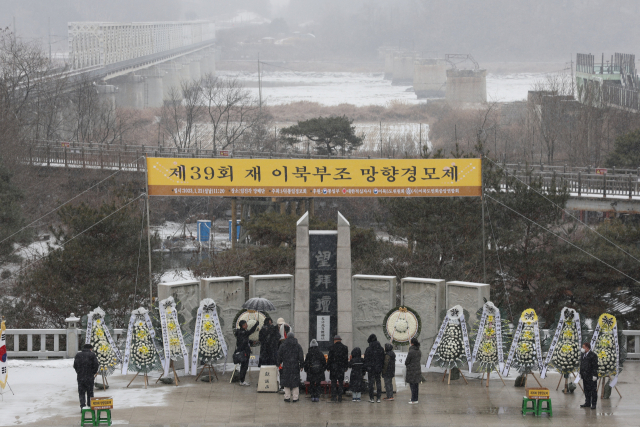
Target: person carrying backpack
{"type": "Point", "coordinates": [315, 365]}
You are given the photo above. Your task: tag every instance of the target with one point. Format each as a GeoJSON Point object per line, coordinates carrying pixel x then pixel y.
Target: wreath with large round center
{"type": "Point", "coordinates": [251, 317]}
{"type": "Point", "coordinates": [401, 324]}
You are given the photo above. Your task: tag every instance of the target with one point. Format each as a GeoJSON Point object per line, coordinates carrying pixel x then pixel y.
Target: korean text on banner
{"type": "Point", "coordinates": [314, 178]}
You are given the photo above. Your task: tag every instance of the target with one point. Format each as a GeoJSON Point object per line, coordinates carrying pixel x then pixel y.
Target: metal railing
{"type": "Point", "coordinates": [52, 348]}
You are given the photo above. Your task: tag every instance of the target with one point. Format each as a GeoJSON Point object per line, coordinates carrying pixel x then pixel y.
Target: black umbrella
{"type": "Point", "coordinates": [259, 304]}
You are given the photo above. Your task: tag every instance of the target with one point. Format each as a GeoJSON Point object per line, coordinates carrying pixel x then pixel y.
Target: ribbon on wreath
{"type": "Point", "coordinates": [608, 322]}
{"type": "Point", "coordinates": [465, 339]}
{"type": "Point", "coordinates": [575, 317]}
{"type": "Point", "coordinates": [528, 316]}
{"type": "Point", "coordinates": [207, 306]}
{"type": "Point", "coordinates": [127, 348]}
{"type": "Point", "coordinates": [99, 314]}
{"type": "Point", "coordinates": [169, 303]}
{"type": "Point", "coordinates": [488, 309]}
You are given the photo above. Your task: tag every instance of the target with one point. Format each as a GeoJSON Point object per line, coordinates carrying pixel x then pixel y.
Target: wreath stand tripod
{"type": "Point", "coordinates": [105, 383]}
{"type": "Point", "coordinates": [176, 380]}
{"type": "Point", "coordinates": [449, 381]}
{"type": "Point", "coordinates": [2, 390]}
{"type": "Point", "coordinates": [566, 383]}
{"type": "Point", "coordinates": [602, 382]}
{"type": "Point", "coordinates": [489, 374]}
{"type": "Point", "coordinates": [211, 369]}
{"type": "Point", "coordinates": [534, 377]}
{"type": "Point", "coordinates": [146, 380]}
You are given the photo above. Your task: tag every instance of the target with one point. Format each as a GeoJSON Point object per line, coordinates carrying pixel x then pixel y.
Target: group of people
{"type": "Point", "coordinates": [279, 346]}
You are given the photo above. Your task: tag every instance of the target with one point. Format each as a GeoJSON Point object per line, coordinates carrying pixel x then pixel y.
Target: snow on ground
{"type": "Point", "coordinates": [360, 89]}
{"type": "Point", "coordinates": [44, 388]}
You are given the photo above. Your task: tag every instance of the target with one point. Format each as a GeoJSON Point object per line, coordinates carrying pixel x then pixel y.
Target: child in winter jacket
{"type": "Point", "coordinates": [356, 363]}
{"type": "Point", "coordinates": [389, 370]}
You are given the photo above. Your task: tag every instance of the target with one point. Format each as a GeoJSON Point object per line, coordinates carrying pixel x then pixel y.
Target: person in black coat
{"type": "Point", "coordinates": [269, 338]}
{"type": "Point", "coordinates": [356, 379]}
{"type": "Point", "coordinates": [373, 363]}
{"type": "Point", "coordinates": [337, 364]}
{"type": "Point", "coordinates": [291, 357]}
{"type": "Point", "coordinates": [314, 365]}
{"type": "Point", "coordinates": [589, 375]}
{"type": "Point", "coordinates": [413, 374]}
{"type": "Point", "coordinates": [86, 366]}
{"type": "Point", "coordinates": [389, 370]}
{"type": "Point", "coordinates": [244, 346]}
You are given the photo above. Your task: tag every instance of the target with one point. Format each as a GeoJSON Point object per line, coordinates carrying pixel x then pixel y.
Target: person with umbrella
{"type": "Point", "coordinates": [243, 347]}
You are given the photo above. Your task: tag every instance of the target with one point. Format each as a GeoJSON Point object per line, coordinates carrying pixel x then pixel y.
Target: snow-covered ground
{"type": "Point", "coordinates": [360, 89]}
{"type": "Point", "coordinates": [46, 388]}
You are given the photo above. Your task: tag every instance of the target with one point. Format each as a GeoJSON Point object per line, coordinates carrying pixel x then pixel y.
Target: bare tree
{"type": "Point", "coordinates": [181, 113]}
{"type": "Point", "coordinates": [231, 109]}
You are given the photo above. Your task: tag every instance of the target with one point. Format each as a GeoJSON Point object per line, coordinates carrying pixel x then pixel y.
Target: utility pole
{"type": "Point", "coordinates": [49, 25]}
{"type": "Point", "coordinates": [259, 82]}
{"type": "Point", "coordinates": [146, 178]}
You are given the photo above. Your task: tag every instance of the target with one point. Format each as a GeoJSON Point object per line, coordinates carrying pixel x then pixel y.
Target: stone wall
{"type": "Point", "coordinates": [372, 298]}
{"type": "Point", "coordinates": [228, 293]}
{"type": "Point", "coordinates": [187, 292]}
{"type": "Point", "coordinates": [277, 288]}
{"type": "Point", "coordinates": [427, 298]}
{"type": "Point", "coordinates": [471, 296]}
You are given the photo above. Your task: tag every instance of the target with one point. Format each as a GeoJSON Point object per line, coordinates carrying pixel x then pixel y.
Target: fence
{"type": "Point", "coordinates": [580, 181]}
{"type": "Point", "coordinates": [51, 347]}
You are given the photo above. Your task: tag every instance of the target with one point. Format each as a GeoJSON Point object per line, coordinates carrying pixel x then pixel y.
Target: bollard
{"type": "Point", "coordinates": [72, 335]}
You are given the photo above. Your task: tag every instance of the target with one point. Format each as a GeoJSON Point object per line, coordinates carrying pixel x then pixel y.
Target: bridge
{"type": "Point", "coordinates": [135, 65]}
{"type": "Point", "coordinates": [617, 191]}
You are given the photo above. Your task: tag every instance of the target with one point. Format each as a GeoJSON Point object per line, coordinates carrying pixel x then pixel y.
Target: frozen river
{"type": "Point", "coordinates": [333, 88]}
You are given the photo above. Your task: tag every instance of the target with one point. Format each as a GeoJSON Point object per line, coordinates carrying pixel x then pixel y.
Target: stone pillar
{"type": "Point", "coordinates": [429, 78]}
{"type": "Point", "coordinates": [277, 288]}
{"type": "Point", "coordinates": [388, 64]}
{"type": "Point", "coordinates": [154, 91]}
{"type": "Point", "coordinates": [471, 296]}
{"type": "Point", "coordinates": [403, 69]}
{"type": "Point", "coordinates": [194, 67]}
{"type": "Point", "coordinates": [185, 71]}
{"type": "Point", "coordinates": [208, 62]}
{"type": "Point", "coordinates": [72, 335]}
{"type": "Point", "coordinates": [228, 293]}
{"type": "Point", "coordinates": [171, 79]}
{"type": "Point", "coordinates": [427, 298]}
{"type": "Point", "coordinates": [301, 292]}
{"type": "Point", "coordinates": [466, 86]}
{"type": "Point", "coordinates": [187, 292]}
{"type": "Point", "coordinates": [107, 94]}
{"type": "Point", "coordinates": [130, 93]}
{"type": "Point", "coordinates": [345, 313]}
{"type": "Point", "coordinates": [373, 297]}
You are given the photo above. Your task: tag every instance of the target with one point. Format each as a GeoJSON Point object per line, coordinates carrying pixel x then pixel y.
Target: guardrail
{"type": "Point", "coordinates": [51, 347]}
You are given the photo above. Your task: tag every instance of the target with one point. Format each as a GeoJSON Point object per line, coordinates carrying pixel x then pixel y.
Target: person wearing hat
{"type": "Point", "coordinates": [337, 364]}
{"type": "Point", "coordinates": [283, 329]}
{"type": "Point", "coordinates": [86, 366]}
{"type": "Point", "coordinates": [291, 358]}
{"type": "Point", "coordinates": [373, 363]}
{"type": "Point", "coordinates": [314, 365]}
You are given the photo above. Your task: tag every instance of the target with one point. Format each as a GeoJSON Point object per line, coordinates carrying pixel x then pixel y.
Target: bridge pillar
{"type": "Point", "coordinates": [130, 92]}
{"type": "Point", "coordinates": [185, 72]}
{"type": "Point", "coordinates": [194, 66]}
{"type": "Point", "coordinates": [107, 94]}
{"type": "Point", "coordinates": [208, 63]}
{"type": "Point", "coordinates": [171, 79]}
{"type": "Point", "coordinates": [153, 90]}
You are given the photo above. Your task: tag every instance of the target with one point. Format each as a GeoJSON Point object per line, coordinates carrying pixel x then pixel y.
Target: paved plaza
{"type": "Point", "coordinates": [225, 404]}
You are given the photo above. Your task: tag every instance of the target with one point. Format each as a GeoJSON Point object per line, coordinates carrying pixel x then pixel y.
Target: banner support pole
{"type": "Point", "coordinates": [146, 177]}
{"type": "Point", "coordinates": [484, 263]}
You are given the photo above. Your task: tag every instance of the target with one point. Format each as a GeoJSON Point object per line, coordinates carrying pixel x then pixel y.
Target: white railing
{"type": "Point", "coordinates": [53, 349]}
{"type": "Point", "coordinates": [46, 348]}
